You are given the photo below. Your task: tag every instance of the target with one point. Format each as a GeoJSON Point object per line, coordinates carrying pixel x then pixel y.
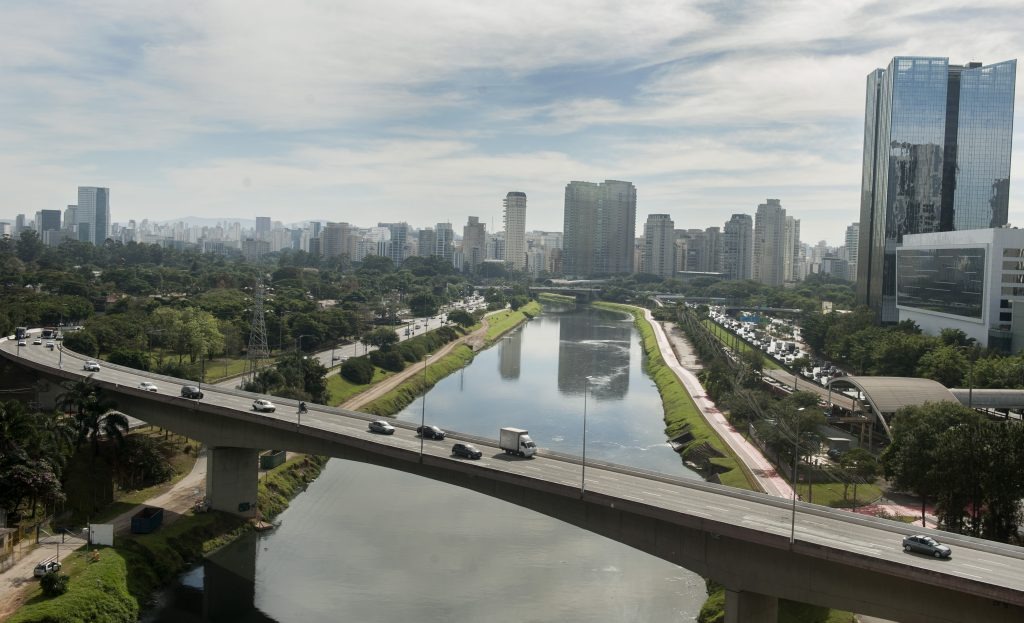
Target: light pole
{"type": "Point", "coordinates": [583, 470]}
{"type": "Point", "coordinates": [298, 341]}
{"type": "Point", "coordinates": [796, 455]}
{"type": "Point", "coordinates": [423, 410]}
{"type": "Point", "coordinates": [202, 370]}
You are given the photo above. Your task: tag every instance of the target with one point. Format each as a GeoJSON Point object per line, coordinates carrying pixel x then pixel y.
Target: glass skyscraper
{"type": "Point", "coordinates": [936, 158]}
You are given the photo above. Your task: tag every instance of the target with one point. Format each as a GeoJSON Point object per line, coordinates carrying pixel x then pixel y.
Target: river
{"type": "Point", "coordinates": [365, 543]}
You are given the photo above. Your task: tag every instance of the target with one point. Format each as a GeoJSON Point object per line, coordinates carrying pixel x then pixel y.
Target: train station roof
{"type": "Point", "coordinates": [889, 394]}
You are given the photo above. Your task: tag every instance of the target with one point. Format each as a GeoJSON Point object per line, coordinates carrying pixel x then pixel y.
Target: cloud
{"type": "Point", "coordinates": [431, 110]}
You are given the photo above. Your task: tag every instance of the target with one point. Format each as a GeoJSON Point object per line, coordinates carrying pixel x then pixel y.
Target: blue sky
{"type": "Point", "coordinates": [385, 110]}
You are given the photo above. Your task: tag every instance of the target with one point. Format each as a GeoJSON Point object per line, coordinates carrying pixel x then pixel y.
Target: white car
{"type": "Point", "coordinates": [91, 366]}
{"type": "Point", "coordinates": [38, 341]}
{"type": "Point", "coordinates": [149, 387]}
{"type": "Point", "coordinates": [263, 405]}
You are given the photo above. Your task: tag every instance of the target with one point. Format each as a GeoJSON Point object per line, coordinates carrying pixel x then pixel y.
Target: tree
{"type": "Point", "coordinates": [461, 317]}
{"type": "Point", "coordinates": [798, 365]}
{"type": "Point", "coordinates": [82, 342]}
{"type": "Point", "coordinates": [381, 337]}
{"type": "Point", "coordinates": [357, 370]}
{"type": "Point", "coordinates": [862, 466]}
{"type": "Point", "coordinates": [423, 305]}
{"type": "Point", "coordinates": [945, 364]}
{"type": "Point", "coordinates": [910, 460]}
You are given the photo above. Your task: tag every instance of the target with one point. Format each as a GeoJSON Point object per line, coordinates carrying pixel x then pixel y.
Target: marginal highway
{"type": "Point", "coordinates": [983, 563]}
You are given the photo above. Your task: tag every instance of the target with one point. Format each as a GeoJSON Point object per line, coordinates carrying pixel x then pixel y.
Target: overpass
{"type": "Point", "coordinates": [738, 538]}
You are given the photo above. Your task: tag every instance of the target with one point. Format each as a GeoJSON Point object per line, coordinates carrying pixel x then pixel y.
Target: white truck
{"type": "Point", "coordinates": [516, 441]}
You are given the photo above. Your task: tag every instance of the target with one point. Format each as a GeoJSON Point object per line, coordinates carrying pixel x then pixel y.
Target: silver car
{"type": "Point", "coordinates": [926, 545]}
{"type": "Point", "coordinates": [382, 427]}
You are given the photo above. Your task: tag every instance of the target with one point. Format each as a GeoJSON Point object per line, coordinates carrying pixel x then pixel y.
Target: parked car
{"type": "Point", "coordinates": [147, 386]}
{"type": "Point", "coordinates": [382, 427]}
{"type": "Point", "coordinates": [923, 544]}
{"type": "Point", "coordinates": [430, 432]}
{"type": "Point", "coordinates": [91, 366]}
{"type": "Point", "coordinates": [47, 566]}
{"type": "Point", "coordinates": [263, 405]}
{"type": "Point", "coordinates": [191, 391]}
{"type": "Point", "coordinates": [466, 450]}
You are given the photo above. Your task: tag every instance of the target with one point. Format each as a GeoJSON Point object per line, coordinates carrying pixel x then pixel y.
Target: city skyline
{"type": "Point", "coordinates": [433, 113]}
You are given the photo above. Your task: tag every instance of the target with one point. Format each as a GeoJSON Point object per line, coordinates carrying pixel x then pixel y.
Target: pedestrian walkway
{"type": "Point", "coordinates": [765, 474]}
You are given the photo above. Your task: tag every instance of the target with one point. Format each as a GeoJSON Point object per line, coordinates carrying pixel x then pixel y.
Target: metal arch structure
{"type": "Point", "coordinates": [888, 394]}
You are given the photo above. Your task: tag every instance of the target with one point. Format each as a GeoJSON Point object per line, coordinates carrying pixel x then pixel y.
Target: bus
{"type": "Point", "coordinates": [21, 333]}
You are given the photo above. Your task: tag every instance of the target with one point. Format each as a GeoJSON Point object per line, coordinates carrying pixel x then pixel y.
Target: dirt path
{"type": "Point", "coordinates": [474, 340]}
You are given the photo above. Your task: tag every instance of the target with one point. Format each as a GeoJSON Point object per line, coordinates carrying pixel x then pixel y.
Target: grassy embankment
{"type": "Point", "coordinates": [112, 587]}
{"type": "Point", "coordinates": [732, 341]}
{"type": "Point", "coordinates": [416, 385]}
{"type": "Point", "coordinates": [681, 414]}
{"type": "Point", "coordinates": [713, 610]}
{"type": "Point", "coordinates": [556, 298]}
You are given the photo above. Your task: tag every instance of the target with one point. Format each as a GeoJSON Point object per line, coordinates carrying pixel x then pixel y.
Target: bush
{"type": "Point", "coordinates": [389, 360]}
{"type": "Point", "coordinates": [357, 370]}
{"type": "Point", "coordinates": [130, 358]}
{"type": "Point", "coordinates": [82, 342]}
{"type": "Point", "coordinates": [54, 584]}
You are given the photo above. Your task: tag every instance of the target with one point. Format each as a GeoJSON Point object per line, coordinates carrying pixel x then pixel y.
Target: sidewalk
{"type": "Point", "coordinates": [764, 472]}
{"type": "Point", "coordinates": [17, 581]}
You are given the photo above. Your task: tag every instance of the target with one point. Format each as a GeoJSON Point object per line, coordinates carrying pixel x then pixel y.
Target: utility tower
{"type": "Point", "coordinates": [258, 350]}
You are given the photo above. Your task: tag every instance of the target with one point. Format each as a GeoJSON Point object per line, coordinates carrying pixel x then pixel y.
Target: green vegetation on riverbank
{"type": "Point", "coordinates": [556, 298]}
{"type": "Point", "coordinates": [681, 414]}
{"type": "Point", "coordinates": [504, 321]}
{"type": "Point", "coordinates": [123, 577]}
{"type": "Point", "coordinates": [402, 396]}
{"type": "Point", "coordinates": [713, 610]}
{"type": "Point", "coordinates": [341, 389]}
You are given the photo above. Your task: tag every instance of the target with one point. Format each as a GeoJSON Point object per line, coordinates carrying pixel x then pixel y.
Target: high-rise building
{"type": "Point", "coordinates": [399, 241]}
{"type": "Point", "coordinates": [515, 230]}
{"type": "Point", "coordinates": [71, 218]}
{"type": "Point", "coordinates": [659, 246]}
{"type": "Point", "coordinates": [474, 243]}
{"type": "Point", "coordinates": [444, 241]}
{"type": "Point", "coordinates": [48, 220]}
{"type": "Point", "coordinates": [937, 141]}
{"type": "Point", "coordinates": [770, 252]}
{"type": "Point", "coordinates": [334, 240]}
{"type": "Point", "coordinates": [852, 241]}
{"type": "Point", "coordinates": [19, 225]}
{"type": "Point", "coordinates": [712, 260]}
{"type": "Point", "coordinates": [427, 242]}
{"type": "Point", "coordinates": [92, 217]}
{"type": "Point", "coordinates": [738, 247]}
{"type": "Point", "coordinates": [262, 227]}
{"type": "Point", "coordinates": [791, 252]}
{"type": "Point", "coordinates": [599, 228]}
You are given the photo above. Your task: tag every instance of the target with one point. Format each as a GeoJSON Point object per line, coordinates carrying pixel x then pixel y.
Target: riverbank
{"type": "Point", "coordinates": [114, 583]}
{"type": "Point", "coordinates": [551, 297]}
{"type": "Point", "coordinates": [683, 419]}
{"type": "Point", "coordinates": [452, 358]}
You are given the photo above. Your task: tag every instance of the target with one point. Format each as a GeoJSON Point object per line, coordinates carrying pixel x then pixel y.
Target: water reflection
{"type": "Point", "coordinates": [369, 544]}
{"type": "Point", "coordinates": [595, 345]}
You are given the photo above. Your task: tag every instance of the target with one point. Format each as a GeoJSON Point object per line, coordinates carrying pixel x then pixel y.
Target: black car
{"type": "Point", "coordinates": [466, 450]}
{"type": "Point", "coordinates": [430, 432]}
{"type": "Point", "coordinates": [191, 391]}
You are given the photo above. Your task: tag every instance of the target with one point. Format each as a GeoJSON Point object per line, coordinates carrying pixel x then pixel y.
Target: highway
{"type": "Point", "coordinates": [989, 568]}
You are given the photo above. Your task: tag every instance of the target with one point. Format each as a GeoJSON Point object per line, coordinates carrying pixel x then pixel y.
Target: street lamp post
{"type": "Point", "coordinates": [298, 341]}
{"type": "Point", "coordinates": [583, 470]}
{"type": "Point", "coordinates": [202, 370]}
{"type": "Point", "coordinates": [423, 409]}
{"type": "Point", "coordinates": [796, 455]}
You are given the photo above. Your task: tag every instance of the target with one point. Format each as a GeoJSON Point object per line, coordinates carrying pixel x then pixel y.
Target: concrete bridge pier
{"type": "Point", "coordinates": [231, 480]}
{"type": "Point", "coordinates": [747, 607]}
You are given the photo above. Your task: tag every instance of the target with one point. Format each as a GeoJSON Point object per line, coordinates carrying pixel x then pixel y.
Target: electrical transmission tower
{"type": "Point", "coordinates": [258, 350]}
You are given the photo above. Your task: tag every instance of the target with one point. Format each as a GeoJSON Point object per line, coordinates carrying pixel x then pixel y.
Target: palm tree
{"type": "Point", "coordinates": [94, 414]}
{"type": "Point", "coordinates": [15, 426]}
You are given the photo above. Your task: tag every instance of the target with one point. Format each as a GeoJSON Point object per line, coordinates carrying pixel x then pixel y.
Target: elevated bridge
{"type": "Point", "coordinates": [741, 539]}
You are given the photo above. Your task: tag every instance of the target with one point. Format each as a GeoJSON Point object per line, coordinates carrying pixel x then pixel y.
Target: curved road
{"type": "Point", "coordinates": [978, 567]}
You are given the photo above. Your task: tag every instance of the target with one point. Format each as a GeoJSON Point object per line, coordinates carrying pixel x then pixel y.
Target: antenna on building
{"type": "Point", "coordinates": [258, 351]}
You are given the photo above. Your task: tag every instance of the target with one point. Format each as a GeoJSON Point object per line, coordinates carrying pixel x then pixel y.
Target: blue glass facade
{"type": "Point", "coordinates": [936, 158]}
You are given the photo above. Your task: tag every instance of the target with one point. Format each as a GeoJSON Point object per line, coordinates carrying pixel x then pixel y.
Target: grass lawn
{"type": "Point", "coordinates": [218, 369]}
{"type": "Point", "coordinates": [342, 389]}
{"type": "Point", "coordinates": [831, 494]}
{"type": "Point", "coordinates": [556, 298]}
{"type": "Point", "coordinates": [728, 338]}
{"type": "Point", "coordinates": [398, 398]}
{"type": "Point", "coordinates": [680, 411]}
{"type": "Point", "coordinates": [504, 321]}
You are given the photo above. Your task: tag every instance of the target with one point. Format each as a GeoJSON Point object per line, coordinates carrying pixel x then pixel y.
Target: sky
{"type": "Point", "coordinates": [371, 111]}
